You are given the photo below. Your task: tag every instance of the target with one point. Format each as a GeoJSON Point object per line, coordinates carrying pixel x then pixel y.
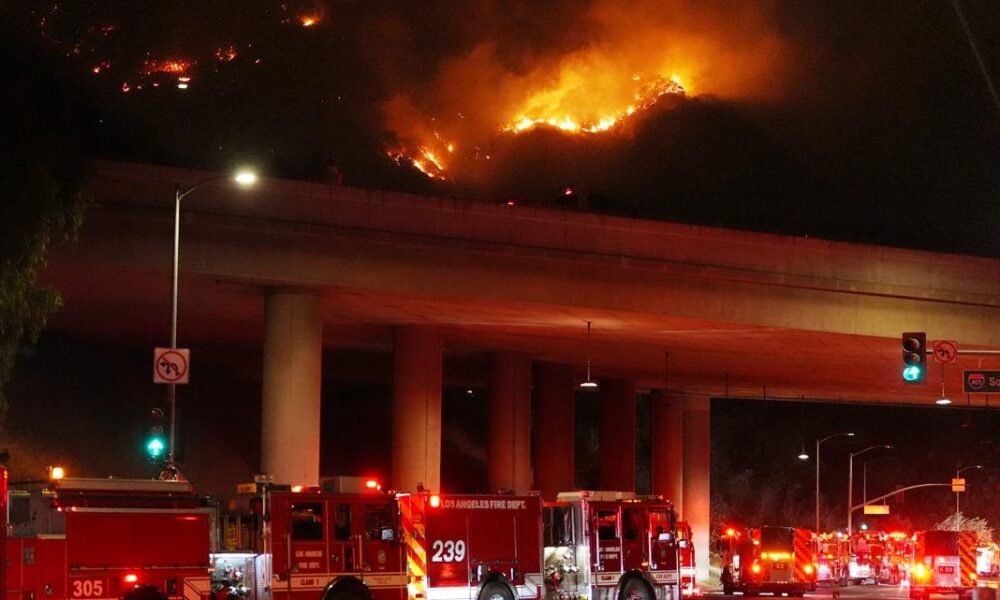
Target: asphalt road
{"type": "Point", "coordinates": [854, 592]}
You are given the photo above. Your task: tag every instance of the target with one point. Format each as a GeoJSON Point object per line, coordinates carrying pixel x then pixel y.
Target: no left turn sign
{"type": "Point", "coordinates": [171, 365]}
{"type": "Point", "coordinates": [946, 351]}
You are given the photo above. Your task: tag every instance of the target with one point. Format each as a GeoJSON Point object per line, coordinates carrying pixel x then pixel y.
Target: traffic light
{"type": "Point", "coordinates": [914, 346]}
{"type": "Point", "coordinates": [156, 441]}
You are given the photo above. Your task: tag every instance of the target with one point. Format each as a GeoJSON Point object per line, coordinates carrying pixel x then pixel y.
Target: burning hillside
{"type": "Point", "coordinates": [621, 62]}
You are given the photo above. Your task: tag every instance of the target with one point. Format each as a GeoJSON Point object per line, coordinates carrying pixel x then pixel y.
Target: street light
{"type": "Point", "coordinates": [958, 514]}
{"type": "Point", "coordinates": [850, 483]}
{"type": "Point", "coordinates": [818, 442]}
{"type": "Point", "coordinates": [244, 178]}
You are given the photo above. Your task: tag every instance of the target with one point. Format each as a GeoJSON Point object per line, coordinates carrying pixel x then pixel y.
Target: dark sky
{"type": "Point", "coordinates": [850, 120]}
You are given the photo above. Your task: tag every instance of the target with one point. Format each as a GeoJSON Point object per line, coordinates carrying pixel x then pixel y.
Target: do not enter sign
{"type": "Point", "coordinates": [171, 365]}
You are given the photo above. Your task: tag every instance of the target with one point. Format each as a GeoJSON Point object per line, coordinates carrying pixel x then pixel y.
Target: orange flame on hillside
{"type": "Point", "coordinates": [619, 62]}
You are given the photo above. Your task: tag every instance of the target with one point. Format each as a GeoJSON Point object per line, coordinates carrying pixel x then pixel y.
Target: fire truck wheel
{"type": "Point", "coordinates": [636, 589]}
{"type": "Point", "coordinates": [495, 590]}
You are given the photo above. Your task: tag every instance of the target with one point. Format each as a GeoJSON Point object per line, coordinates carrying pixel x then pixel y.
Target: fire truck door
{"type": "Point", "coordinates": [634, 539]}
{"type": "Point", "coordinates": [307, 552]}
{"type": "Point", "coordinates": [609, 543]}
{"type": "Point", "coordinates": [345, 549]}
{"type": "Point", "coordinates": [380, 550]}
{"type": "Point", "coordinates": [50, 555]}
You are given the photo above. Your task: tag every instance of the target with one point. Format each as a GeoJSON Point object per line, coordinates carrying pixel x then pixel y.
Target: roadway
{"type": "Point", "coordinates": [854, 592]}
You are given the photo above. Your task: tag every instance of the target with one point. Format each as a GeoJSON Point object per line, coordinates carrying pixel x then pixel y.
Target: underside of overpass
{"type": "Point", "coordinates": [690, 312]}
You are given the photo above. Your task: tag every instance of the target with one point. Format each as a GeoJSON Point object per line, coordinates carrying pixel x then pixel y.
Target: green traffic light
{"type": "Point", "coordinates": [912, 373]}
{"type": "Point", "coordinates": [155, 447]}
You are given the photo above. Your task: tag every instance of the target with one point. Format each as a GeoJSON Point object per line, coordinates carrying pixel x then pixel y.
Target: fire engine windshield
{"type": "Point", "coordinates": [776, 539]}
{"type": "Point", "coordinates": [941, 543]}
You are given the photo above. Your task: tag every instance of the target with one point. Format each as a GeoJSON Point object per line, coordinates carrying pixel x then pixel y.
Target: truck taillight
{"type": "Point", "coordinates": [435, 501]}
{"type": "Point", "coordinates": [755, 568]}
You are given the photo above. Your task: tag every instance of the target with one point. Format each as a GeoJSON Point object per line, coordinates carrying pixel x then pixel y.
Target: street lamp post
{"type": "Point", "coordinates": [243, 178]}
{"type": "Point", "coordinates": [850, 484]}
{"type": "Point", "coordinates": [818, 442]}
{"type": "Point", "coordinates": [958, 513]}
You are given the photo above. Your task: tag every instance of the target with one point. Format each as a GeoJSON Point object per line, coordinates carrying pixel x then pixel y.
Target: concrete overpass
{"type": "Point", "coordinates": [304, 267]}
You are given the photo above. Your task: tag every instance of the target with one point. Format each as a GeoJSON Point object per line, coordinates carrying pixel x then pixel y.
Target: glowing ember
{"type": "Point", "coordinates": [308, 20]}
{"type": "Point", "coordinates": [227, 54]}
{"type": "Point", "coordinates": [166, 66]}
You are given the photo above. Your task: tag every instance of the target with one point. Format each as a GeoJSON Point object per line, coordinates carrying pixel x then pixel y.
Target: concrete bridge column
{"type": "Point", "coordinates": [697, 466]}
{"type": "Point", "coordinates": [416, 409]}
{"type": "Point", "coordinates": [668, 448]}
{"type": "Point", "coordinates": [292, 375]}
{"type": "Point", "coordinates": [555, 429]}
{"type": "Point", "coordinates": [509, 453]}
{"type": "Point", "coordinates": [616, 433]}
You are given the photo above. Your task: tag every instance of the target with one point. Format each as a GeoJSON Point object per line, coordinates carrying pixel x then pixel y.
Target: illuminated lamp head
{"type": "Point", "coordinates": [297, 488]}
{"type": "Point", "coordinates": [730, 532]}
{"type": "Point", "coordinates": [56, 473]}
{"type": "Point", "coordinates": [435, 501]}
{"type": "Point", "coordinates": [372, 484]}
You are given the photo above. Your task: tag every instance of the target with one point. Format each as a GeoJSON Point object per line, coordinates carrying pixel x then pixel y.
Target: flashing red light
{"type": "Point", "coordinates": [730, 532]}
{"type": "Point", "coordinates": [131, 578]}
{"type": "Point", "coordinates": [568, 191]}
{"type": "Point", "coordinates": [371, 484]}
{"type": "Point", "coordinates": [435, 501]}
{"type": "Point", "coordinates": [511, 203]}
{"type": "Point", "coordinates": [755, 568]}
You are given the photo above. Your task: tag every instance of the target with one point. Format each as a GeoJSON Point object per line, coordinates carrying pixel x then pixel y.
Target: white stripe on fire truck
{"type": "Point", "coordinates": [319, 581]}
{"type": "Point", "coordinates": [664, 577]}
{"type": "Point", "coordinates": [463, 593]}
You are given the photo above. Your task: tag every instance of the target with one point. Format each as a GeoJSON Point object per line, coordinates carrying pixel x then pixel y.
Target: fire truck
{"type": "Point", "coordinates": [104, 539]}
{"type": "Point", "coordinates": [685, 550]}
{"type": "Point", "coordinates": [349, 541]}
{"type": "Point", "coordinates": [832, 552]}
{"type": "Point", "coordinates": [944, 562]}
{"type": "Point", "coordinates": [777, 560]}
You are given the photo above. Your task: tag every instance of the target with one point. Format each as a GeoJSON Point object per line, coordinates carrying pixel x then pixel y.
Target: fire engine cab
{"type": "Point", "coordinates": [767, 559]}
{"type": "Point", "coordinates": [104, 539]}
{"type": "Point", "coordinates": [339, 541]}
{"type": "Point", "coordinates": [609, 546]}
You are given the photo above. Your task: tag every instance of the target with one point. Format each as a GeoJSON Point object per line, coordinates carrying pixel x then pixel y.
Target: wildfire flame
{"type": "Point", "coordinates": [644, 97]}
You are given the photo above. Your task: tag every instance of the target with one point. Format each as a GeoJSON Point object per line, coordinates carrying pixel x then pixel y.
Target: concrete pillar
{"type": "Point", "coordinates": [555, 429]}
{"type": "Point", "coordinates": [616, 435]}
{"type": "Point", "coordinates": [292, 375]}
{"type": "Point", "coordinates": [509, 453]}
{"type": "Point", "coordinates": [668, 448]}
{"type": "Point", "coordinates": [416, 409]}
{"type": "Point", "coordinates": [697, 467]}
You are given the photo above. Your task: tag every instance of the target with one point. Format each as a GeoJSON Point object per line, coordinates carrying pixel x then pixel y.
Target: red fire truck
{"type": "Point", "coordinates": [768, 559]}
{"type": "Point", "coordinates": [685, 550]}
{"type": "Point", "coordinates": [944, 562]}
{"type": "Point", "coordinates": [104, 539]}
{"type": "Point", "coordinates": [350, 542]}
{"type": "Point", "coordinates": [832, 554]}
